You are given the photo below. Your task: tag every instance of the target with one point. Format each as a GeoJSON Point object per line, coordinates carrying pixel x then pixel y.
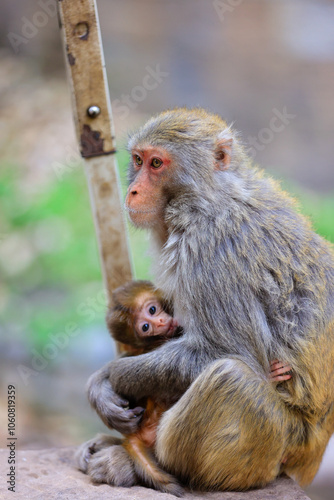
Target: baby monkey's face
{"type": "Point", "coordinates": [151, 320]}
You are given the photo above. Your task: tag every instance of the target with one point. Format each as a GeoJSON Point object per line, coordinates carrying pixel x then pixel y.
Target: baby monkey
{"type": "Point", "coordinates": [141, 320]}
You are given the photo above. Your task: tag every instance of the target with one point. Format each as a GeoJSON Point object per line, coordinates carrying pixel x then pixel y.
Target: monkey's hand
{"type": "Point", "coordinates": [279, 371]}
{"type": "Point", "coordinates": [164, 374]}
{"type": "Point", "coordinates": [113, 410]}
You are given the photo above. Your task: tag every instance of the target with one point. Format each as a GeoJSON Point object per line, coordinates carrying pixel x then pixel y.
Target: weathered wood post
{"type": "Point", "coordinates": [95, 133]}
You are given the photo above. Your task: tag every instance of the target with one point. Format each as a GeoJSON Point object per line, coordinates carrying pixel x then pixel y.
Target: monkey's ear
{"type": "Point", "coordinates": [223, 153]}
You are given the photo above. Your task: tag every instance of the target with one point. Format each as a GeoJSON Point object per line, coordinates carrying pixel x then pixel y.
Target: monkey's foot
{"type": "Point", "coordinates": [89, 448]}
{"type": "Point", "coordinates": [113, 466]}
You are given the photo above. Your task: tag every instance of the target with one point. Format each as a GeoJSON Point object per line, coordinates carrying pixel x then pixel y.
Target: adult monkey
{"type": "Point", "coordinates": [141, 319]}
{"type": "Point", "coordinates": [250, 282]}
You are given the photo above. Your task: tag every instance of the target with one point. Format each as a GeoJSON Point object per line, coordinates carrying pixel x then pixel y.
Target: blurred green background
{"type": "Point", "coordinates": [49, 253]}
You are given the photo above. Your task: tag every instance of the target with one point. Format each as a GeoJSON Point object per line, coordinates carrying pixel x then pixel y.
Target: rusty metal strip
{"type": "Point", "coordinates": [86, 68]}
{"type": "Point", "coordinates": [104, 189]}
{"type": "Point", "coordinates": [92, 114]}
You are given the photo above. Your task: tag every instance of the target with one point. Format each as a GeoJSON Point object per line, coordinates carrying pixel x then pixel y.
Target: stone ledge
{"type": "Point", "coordinates": [51, 474]}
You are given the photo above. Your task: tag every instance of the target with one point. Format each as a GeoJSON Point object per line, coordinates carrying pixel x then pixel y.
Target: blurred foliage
{"type": "Point", "coordinates": [49, 257]}
{"type": "Point", "coordinates": [49, 263]}
{"type": "Point", "coordinates": [319, 208]}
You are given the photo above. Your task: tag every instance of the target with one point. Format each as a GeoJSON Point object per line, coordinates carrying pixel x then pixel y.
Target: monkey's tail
{"type": "Point", "coordinates": [148, 470]}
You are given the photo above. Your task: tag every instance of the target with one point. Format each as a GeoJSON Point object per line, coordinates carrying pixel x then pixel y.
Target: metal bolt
{"type": "Point", "coordinates": [81, 30]}
{"type": "Point", "coordinates": [93, 111]}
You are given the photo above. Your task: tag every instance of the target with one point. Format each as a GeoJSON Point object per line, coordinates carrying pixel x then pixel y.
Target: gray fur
{"type": "Point", "coordinates": [249, 280]}
{"type": "Point", "coordinates": [113, 466]}
{"type": "Point", "coordinates": [85, 452]}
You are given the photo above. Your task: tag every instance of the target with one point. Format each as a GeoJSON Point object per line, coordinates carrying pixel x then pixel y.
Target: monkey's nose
{"type": "Point", "coordinates": [134, 192]}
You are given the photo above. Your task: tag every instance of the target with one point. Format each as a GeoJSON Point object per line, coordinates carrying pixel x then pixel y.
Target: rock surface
{"type": "Point", "coordinates": [51, 474]}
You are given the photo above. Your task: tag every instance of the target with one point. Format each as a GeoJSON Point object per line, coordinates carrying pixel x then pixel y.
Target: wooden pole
{"type": "Point", "coordinates": [95, 133]}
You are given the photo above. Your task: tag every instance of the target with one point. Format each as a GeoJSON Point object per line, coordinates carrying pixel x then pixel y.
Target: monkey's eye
{"type": "Point", "coordinates": [145, 327]}
{"type": "Point", "coordinates": [138, 160]}
{"type": "Point", "coordinates": [156, 163]}
{"type": "Point", "coordinates": [152, 310]}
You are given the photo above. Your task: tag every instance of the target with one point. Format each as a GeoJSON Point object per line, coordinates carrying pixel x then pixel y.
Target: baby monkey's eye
{"type": "Point", "coordinates": [156, 163]}
{"type": "Point", "coordinates": [138, 160]}
{"type": "Point", "coordinates": [145, 327]}
{"type": "Point", "coordinates": [152, 310]}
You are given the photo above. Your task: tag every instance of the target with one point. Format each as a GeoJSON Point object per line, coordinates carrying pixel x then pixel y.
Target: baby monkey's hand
{"type": "Point", "coordinates": [279, 371]}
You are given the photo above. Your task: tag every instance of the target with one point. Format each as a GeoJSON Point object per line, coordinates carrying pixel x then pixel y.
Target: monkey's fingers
{"type": "Point", "coordinates": [112, 466]}
{"type": "Point", "coordinates": [138, 411]}
{"type": "Point", "coordinates": [124, 420]}
{"type": "Point", "coordinates": [87, 449]}
{"type": "Point", "coordinates": [280, 373]}
{"type": "Point", "coordinates": [276, 364]}
{"type": "Point", "coordinates": [121, 402]}
{"type": "Point", "coordinates": [280, 369]}
{"type": "Point", "coordinates": [280, 378]}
